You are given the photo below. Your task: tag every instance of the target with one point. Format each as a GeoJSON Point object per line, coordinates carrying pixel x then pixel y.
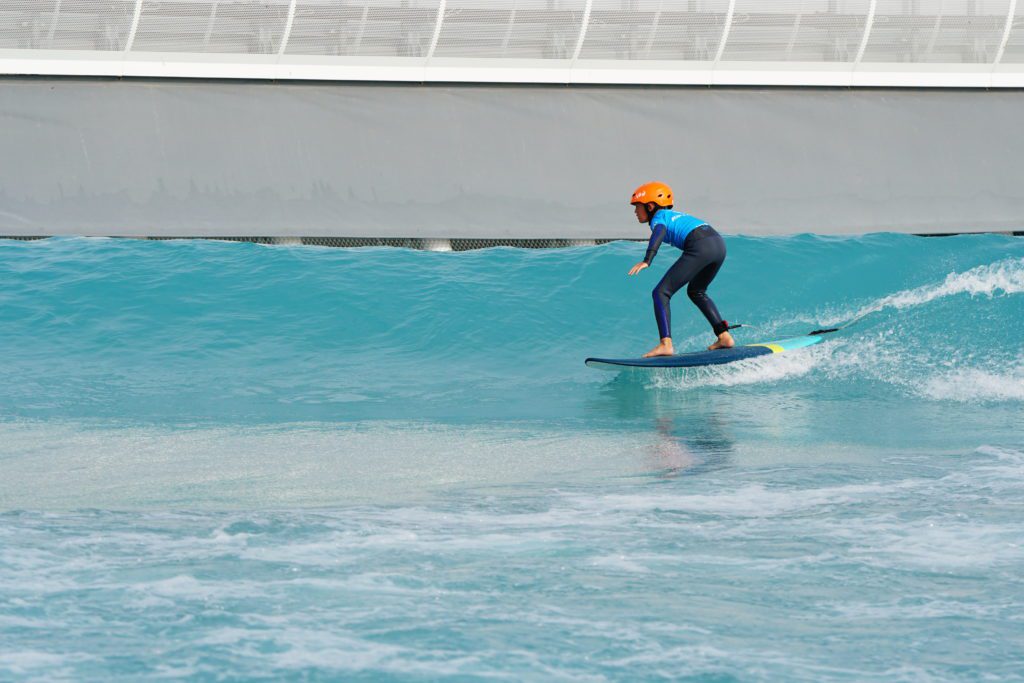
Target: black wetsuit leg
{"type": "Point", "coordinates": [703, 255]}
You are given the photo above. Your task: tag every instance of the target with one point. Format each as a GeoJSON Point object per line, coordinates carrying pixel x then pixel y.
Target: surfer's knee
{"type": "Point", "coordinates": [661, 293]}
{"type": "Point", "coordinates": [696, 293]}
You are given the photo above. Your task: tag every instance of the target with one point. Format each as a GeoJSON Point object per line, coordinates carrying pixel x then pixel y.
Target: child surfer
{"type": "Point", "coordinates": [703, 254]}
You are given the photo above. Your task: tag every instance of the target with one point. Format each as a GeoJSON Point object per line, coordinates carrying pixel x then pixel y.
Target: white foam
{"type": "Point", "coordinates": [620, 563]}
{"type": "Point", "coordinates": [763, 369]}
{"type": "Point", "coordinates": [12, 621]}
{"type": "Point", "coordinates": [1002, 277]}
{"type": "Point", "coordinates": [921, 607]}
{"type": "Point", "coordinates": [1001, 473]}
{"type": "Point", "coordinates": [877, 358]}
{"type": "Point", "coordinates": [186, 587]}
{"type": "Point", "coordinates": [970, 385]}
{"type": "Point", "coordinates": [1004, 454]}
{"type": "Point", "coordinates": [26, 660]}
{"type": "Point", "coordinates": [317, 648]}
{"type": "Point", "coordinates": [872, 358]}
{"type": "Point", "coordinates": [939, 545]}
{"type": "Point", "coordinates": [693, 659]}
{"type": "Point", "coordinates": [754, 500]}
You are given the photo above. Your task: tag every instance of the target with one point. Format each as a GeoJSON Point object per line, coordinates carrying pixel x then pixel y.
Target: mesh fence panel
{"type": "Point", "coordinates": [662, 30]}
{"type": "Point", "coordinates": [797, 30]}
{"type": "Point", "coordinates": [937, 31]}
{"type": "Point", "coordinates": [26, 24]}
{"type": "Point", "coordinates": [823, 31]}
{"type": "Point", "coordinates": [384, 28]}
{"type": "Point", "coordinates": [213, 26]}
{"type": "Point", "coordinates": [328, 28]}
{"type": "Point", "coordinates": [1015, 45]}
{"type": "Point", "coordinates": [438, 244]}
{"type": "Point", "coordinates": [525, 29]}
{"type": "Point", "coordinates": [422, 244]}
{"type": "Point", "coordinates": [100, 25]}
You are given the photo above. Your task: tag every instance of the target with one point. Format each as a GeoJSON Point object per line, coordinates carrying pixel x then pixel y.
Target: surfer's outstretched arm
{"type": "Point", "coordinates": [657, 237]}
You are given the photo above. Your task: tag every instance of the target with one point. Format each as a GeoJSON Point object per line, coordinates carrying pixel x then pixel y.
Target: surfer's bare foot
{"type": "Point", "coordinates": [662, 349]}
{"type": "Point", "coordinates": [725, 341]}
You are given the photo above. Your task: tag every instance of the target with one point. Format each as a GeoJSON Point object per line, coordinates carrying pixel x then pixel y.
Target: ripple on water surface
{"type": "Point", "coordinates": [301, 463]}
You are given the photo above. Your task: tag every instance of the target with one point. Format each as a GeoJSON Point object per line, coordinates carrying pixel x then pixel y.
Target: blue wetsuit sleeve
{"type": "Point", "coordinates": [656, 239]}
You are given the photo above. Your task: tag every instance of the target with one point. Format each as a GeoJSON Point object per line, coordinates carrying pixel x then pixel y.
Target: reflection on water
{"type": "Point", "coordinates": [688, 433]}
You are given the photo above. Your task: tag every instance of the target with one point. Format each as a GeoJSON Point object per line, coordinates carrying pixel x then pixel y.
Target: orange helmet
{"type": "Point", "coordinates": [653, 193]}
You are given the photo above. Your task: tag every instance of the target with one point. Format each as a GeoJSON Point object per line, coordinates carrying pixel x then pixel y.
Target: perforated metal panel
{"type": "Point", "coordinates": [730, 33]}
{"type": "Point", "coordinates": [797, 30]}
{"type": "Point", "coordinates": [25, 24]}
{"type": "Point", "coordinates": [101, 25]}
{"type": "Point", "coordinates": [328, 28]}
{"type": "Point", "coordinates": [212, 26]}
{"type": "Point", "coordinates": [440, 244]}
{"type": "Point", "coordinates": [1014, 53]}
{"type": "Point", "coordinates": [935, 31]}
{"type": "Point", "coordinates": [655, 29]}
{"type": "Point", "coordinates": [385, 28]}
{"type": "Point", "coordinates": [525, 29]}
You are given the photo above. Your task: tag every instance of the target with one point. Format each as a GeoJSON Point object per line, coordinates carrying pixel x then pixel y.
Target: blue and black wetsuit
{"type": "Point", "coordinates": [703, 254]}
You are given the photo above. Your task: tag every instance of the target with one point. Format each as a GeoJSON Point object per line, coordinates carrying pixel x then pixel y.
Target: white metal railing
{"type": "Point", "coordinates": [843, 42]}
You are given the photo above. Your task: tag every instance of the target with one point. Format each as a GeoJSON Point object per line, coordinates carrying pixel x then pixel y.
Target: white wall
{"type": "Point", "coordinates": [180, 158]}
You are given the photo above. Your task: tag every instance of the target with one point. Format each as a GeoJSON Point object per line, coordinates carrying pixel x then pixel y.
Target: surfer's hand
{"type": "Point", "coordinates": [638, 267]}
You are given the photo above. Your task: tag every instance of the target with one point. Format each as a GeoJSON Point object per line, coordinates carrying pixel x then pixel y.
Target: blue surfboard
{"type": "Point", "coordinates": [705, 358]}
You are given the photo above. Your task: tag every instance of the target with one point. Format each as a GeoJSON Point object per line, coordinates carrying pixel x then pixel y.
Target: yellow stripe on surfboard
{"type": "Point", "coordinates": [774, 347]}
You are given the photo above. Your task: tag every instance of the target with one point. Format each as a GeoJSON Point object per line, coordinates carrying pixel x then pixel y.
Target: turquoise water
{"type": "Point", "coordinates": [223, 460]}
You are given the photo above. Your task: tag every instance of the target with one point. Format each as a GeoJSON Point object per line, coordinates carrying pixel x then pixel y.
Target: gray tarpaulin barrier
{"type": "Point", "coordinates": [193, 158]}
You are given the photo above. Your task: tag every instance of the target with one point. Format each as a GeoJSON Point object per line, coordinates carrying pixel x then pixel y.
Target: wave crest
{"type": "Point", "coordinates": [1002, 277]}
